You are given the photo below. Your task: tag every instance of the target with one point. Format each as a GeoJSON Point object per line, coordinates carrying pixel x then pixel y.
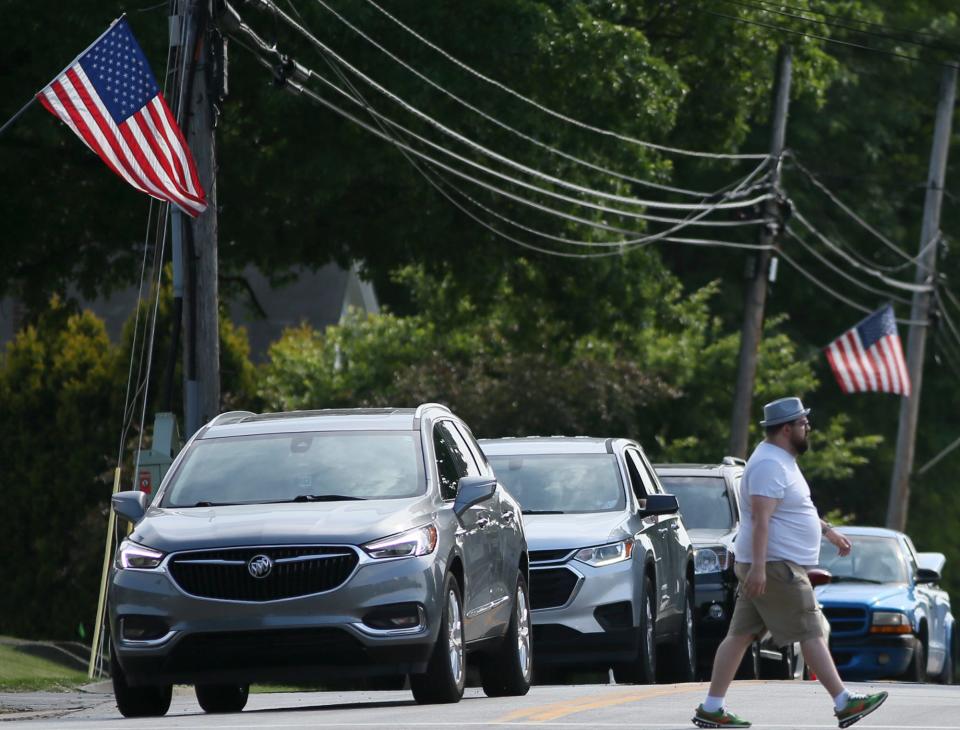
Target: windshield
{"type": "Point", "coordinates": [562, 483]}
{"type": "Point", "coordinates": [704, 502]}
{"type": "Point", "coordinates": [298, 467]}
{"type": "Point", "coordinates": [872, 560]}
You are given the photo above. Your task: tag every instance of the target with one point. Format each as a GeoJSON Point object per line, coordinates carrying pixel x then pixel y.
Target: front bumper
{"type": "Point", "coordinates": [873, 656]}
{"type": "Point", "coordinates": [303, 638]}
{"type": "Point", "coordinates": [596, 624]}
{"type": "Point", "coordinates": [710, 591]}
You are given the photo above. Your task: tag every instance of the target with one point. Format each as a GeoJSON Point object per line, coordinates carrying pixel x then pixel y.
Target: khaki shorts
{"type": "Point", "coordinates": [788, 607]}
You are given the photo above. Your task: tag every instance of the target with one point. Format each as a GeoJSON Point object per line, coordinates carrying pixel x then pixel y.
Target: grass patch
{"type": "Point", "coordinates": [21, 672]}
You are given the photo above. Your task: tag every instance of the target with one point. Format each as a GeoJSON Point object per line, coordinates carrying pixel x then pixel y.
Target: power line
{"type": "Point", "coordinates": [503, 125]}
{"type": "Point", "coordinates": [910, 260]}
{"type": "Point", "coordinates": [797, 16]}
{"type": "Point", "coordinates": [826, 39]}
{"type": "Point", "coordinates": [836, 269]}
{"type": "Point", "coordinates": [551, 112]}
{"type": "Point", "coordinates": [895, 283]}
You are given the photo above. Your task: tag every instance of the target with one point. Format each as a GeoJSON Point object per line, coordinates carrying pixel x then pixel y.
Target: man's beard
{"type": "Point", "coordinates": [801, 446]}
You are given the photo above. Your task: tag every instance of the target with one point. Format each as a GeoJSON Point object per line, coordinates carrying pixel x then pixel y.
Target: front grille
{"type": "Point", "coordinates": [846, 620]}
{"type": "Point", "coordinates": [548, 556]}
{"type": "Point", "coordinates": [240, 650]}
{"type": "Point", "coordinates": [551, 587]}
{"type": "Point", "coordinates": [297, 571]}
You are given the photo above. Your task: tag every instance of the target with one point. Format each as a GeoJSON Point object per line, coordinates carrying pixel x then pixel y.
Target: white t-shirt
{"type": "Point", "coordinates": [794, 525]}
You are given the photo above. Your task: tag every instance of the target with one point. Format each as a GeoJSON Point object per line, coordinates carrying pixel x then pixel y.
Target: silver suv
{"type": "Point", "coordinates": [300, 546]}
{"type": "Point", "coordinates": [611, 566]}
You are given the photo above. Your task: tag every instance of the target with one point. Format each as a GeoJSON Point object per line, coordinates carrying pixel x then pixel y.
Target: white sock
{"type": "Point", "coordinates": [840, 700]}
{"type": "Point", "coordinates": [713, 704]}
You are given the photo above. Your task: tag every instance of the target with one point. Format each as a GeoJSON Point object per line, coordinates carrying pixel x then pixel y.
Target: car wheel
{"type": "Point", "coordinates": [222, 697]}
{"type": "Point", "coordinates": [682, 659]}
{"type": "Point", "coordinates": [508, 672]}
{"type": "Point", "coordinates": [643, 669]}
{"type": "Point", "coordinates": [138, 701]}
{"type": "Point", "coordinates": [750, 664]}
{"type": "Point", "coordinates": [946, 674]}
{"type": "Point", "coordinates": [446, 671]}
{"type": "Point", "coordinates": [917, 671]}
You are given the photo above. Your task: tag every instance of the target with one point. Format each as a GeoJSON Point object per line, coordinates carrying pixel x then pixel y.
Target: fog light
{"type": "Point", "coordinates": [395, 617]}
{"type": "Point", "coordinates": [716, 612]}
{"type": "Point", "coordinates": [142, 628]}
{"type": "Point", "coordinates": [883, 659]}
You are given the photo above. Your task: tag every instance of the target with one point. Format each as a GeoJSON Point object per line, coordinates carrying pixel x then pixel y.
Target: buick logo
{"type": "Point", "coordinates": [259, 566]}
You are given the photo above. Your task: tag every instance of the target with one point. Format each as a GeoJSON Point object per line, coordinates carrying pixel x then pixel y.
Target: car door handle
{"type": "Point", "coordinates": [674, 526]}
{"type": "Point", "coordinates": [482, 523]}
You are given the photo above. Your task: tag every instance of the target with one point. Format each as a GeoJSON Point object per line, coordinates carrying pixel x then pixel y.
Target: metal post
{"type": "Point", "coordinates": [899, 503]}
{"type": "Point", "coordinates": [755, 297]}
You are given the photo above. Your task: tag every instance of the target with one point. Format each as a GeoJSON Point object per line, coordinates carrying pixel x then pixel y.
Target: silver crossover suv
{"type": "Point", "coordinates": [611, 566]}
{"type": "Point", "coordinates": [301, 546]}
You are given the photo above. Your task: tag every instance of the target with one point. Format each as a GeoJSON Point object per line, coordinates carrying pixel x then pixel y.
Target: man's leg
{"type": "Point", "coordinates": [847, 706]}
{"type": "Point", "coordinates": [727, 660]}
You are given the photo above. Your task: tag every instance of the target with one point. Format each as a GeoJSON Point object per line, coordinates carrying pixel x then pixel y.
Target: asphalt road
{"type": "Point", "coordinates": [799, 705]}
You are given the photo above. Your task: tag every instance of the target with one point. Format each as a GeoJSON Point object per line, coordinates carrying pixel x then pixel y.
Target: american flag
{"type": "Point", "coordinates": [868, 357]}
{"type": "Point", "coordinates": [110, 99]}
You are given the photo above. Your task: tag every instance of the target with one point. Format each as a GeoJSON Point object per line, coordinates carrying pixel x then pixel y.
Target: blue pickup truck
{"type": "Point", "coordinates": [888, 617]}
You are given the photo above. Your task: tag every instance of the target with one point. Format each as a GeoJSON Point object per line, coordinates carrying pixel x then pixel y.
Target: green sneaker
{"type": "Point", "coordinates": [720, 718]}
{"type": "Point", "coordinates": [859, 706]}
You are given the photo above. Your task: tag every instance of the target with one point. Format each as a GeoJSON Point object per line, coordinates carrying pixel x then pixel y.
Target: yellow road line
{"type": "Point", "coordinates": [545, 713]}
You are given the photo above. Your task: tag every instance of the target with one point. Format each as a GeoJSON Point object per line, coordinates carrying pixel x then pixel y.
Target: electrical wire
{"type": "Point", "coordinates": [482, 149]}
{"type": "Point", "coordinates": [503, 125]}
{"type": "Point", "coordinates": [829, 24]}
{"type": "Point", "coordinates": [549, 111]}
{"type": "Point", "coordinates": [910, 260]}
{"type": "Point", "coordinates": [895, 283]}
{"type": "Point", "coordinates": [837, 295]}
{"type": "Point", "coordinates": [837, 270]}
{"type": "Point", "coordinates": [824, 38]}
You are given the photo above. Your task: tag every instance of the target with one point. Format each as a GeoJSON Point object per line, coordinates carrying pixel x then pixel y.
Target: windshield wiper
{"type": "Point", "coordinates": [213, 504]}
{"type": "Point", "coordinates": [855, 579]}
{"type": "Point", "coordinates": [542, 512]}
{"type": "Point", "coordinates": [325, 498]}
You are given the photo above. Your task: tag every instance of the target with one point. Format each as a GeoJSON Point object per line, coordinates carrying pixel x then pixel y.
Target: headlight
{"type": "Point", "coordinates": [138, 557]}
{"type": "Point", "coordinates": [601, 555]}
{"type": "Point", "coordinates": [890, 622]}
{"type": "Point", "coordinates": [710, 560]}
{"type": "Point", "coordinates": [418, 541]}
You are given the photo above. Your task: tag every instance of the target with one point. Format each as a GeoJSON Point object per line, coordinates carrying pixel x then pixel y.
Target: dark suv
{"type": "Point", "coordinates": [308, 545]}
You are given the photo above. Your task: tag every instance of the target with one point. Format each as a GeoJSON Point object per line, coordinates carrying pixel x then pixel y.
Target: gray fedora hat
{"type": "Point", "coordinates": [783, 410]}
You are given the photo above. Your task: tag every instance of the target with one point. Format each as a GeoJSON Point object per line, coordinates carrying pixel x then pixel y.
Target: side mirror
{"type": "Point", "coordinates": [819, 576]}
{"type": "Point", "coordinates": [473, 490]}
{"type": "Point", "coordinates": [659, 504]}
{"type": "Point", "coordinates": [130, 505]}
{"type": "Point", "coordinates": [926, 575]}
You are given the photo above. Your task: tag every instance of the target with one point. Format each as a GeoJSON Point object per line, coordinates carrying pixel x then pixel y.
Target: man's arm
{"type": "Point", "coordinates": [842, 544]}
{"type": "Point", "coordinates": [761, 508]}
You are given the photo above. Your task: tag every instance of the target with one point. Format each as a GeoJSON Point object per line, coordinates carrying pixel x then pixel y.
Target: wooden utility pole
{"type": "Point", "coordinates": [899, 502]}
{"type": "Point", "coordinates": [201, 352]}
{"type": "Point", "coordinates": [755, 298]}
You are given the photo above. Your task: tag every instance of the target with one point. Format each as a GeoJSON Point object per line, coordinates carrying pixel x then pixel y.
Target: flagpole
{"type": "Point", "coordinates": [16, 116]}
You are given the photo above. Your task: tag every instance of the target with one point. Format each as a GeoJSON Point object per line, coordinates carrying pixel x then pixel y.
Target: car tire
{"type": "Point", "coordinates": [446, 674]}
{"type": "Point", "coordinates": [917, 671]}
{"type": "Point", "coordinates": [222, 697]}
{"type": "Point", "coordinates": [137, 701]}
{"type": "Point", "coordinates": [509, 671]}
{"type": "Point", "coordinates": [946, 675]}
{"type": "Point", "coordinates": [750, 664]}
{"type": "Point", "coordinates": [643, 669]}
{"type": "Point", "coordinates": [681, 661]}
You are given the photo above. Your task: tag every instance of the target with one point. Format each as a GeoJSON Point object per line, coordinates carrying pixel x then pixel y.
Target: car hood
{"type": "Point", "coordinates": [170, 529]}
{"type": "Point", "coordinates": [866, 593]}
{"type": "Point", "coordinates": [704, 536]}
{"type": "Point", "coordinates": [556, 532]}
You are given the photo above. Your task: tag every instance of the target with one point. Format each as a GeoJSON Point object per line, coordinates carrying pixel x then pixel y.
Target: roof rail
{"type": "Point", "coordinates": [734, 461]}
{"type": "Point", "coordinates": [230, 417]}
{"type": "Point", "coordinates": [424, 406]}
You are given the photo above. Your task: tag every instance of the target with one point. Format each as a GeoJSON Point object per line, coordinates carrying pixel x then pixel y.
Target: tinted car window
{"type": "Point", "coordinates": [562, 482]}
{"type": "Point", "coordinates": [642, 483]}
{"type": "Point", "coordinates": [281, 467]}
{"type": "Point", "coordinates": [872, 560]}
{"type": "Point", "coordinates": [704, 501]}
{"type": "Point", "coordinates": [452, 462]}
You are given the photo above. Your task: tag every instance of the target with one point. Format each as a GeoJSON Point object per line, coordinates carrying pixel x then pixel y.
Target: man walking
{"type": "Point", "coordinates": [779, 537]}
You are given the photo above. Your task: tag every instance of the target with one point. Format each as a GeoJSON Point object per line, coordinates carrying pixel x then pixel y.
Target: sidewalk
{"type": "Point", "coordinates": [28, 705]}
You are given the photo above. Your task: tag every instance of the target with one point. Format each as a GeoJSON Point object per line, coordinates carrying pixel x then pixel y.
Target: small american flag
{"type": "Point", "coordinates": [868, 357]}
{"type": "Point", "coordinates": [110, 99]}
